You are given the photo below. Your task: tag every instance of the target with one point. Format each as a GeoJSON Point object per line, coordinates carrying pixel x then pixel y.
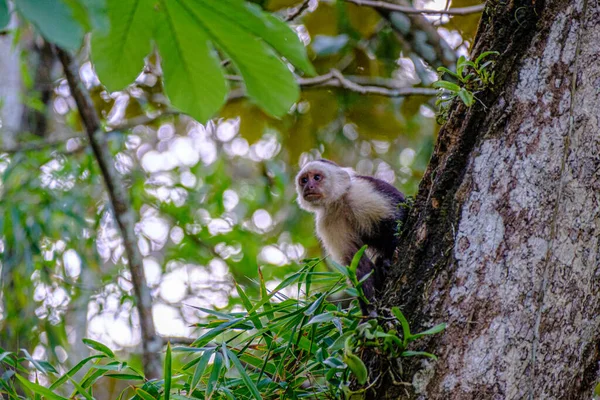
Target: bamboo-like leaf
{"type": "Point", "coordinates": [199, 371]}
{"type": "Point", "coordinates": [245, 377]}
{"type": "Point", "coordinates": [81, 390]}
{"type": "Point", "coordinates": [143, 394]}
{"type": "Point", "coordinates": [167, 372]}
{"type": "Point", "coordinates": [213, 379]}
{"type": "Point", "coordinates": [39, 389]}
{"type": "Point", "coordinates": [99, 347]}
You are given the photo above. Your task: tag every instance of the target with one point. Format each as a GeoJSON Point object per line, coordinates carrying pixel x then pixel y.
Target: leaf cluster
{"type": "Point", "coordinates": [308, 345]}
{"type": "Point", "coordinates": [470, 78]}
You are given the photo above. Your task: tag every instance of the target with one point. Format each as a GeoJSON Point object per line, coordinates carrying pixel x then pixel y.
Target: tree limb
{"type": "Point", "coordinates": [151, 343]}
{"type": "Point", "coordinates": [335, 79]}
{"type": "Point", "coordinates": [384, 5]}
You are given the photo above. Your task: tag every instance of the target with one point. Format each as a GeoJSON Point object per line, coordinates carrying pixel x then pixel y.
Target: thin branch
{"type": "Point", "coordinates": [384, 5]}
{"type": "Point", "coordinates": [335, 79]}
{"type": "Point", "coordinates": [297, 12]}
{"type": "Point", "coordinates": [117, 190]}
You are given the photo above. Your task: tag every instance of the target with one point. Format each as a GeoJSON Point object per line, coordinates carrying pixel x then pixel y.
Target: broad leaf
{"type": "Point", "coordinates": [267, 78]}
{"type": "Point", "coordinates": [4, 15]}
{"type": "Point", "coordinates": [54, 20]}
{"type": "Point", "coordinates": [194, 80]}
{"type": "Point", "coordinates": [118, 55]}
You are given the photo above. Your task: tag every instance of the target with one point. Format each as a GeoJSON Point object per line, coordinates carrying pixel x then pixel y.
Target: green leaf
{"type": "Point", "coordinates": [431, 331]}
{"type": "Point", "coordinates": [38, 389]}
{"type": "Point", "coordinates": [484, 55]}
{"type": "Point", "coordinates": [357, 366]}
{"type": "Point", "coordinates": [91, 14]}
{"type": "Point", "coordinates": [466, 97]}
{"type": "Point", "coordinates": [199, 371]}
{"type": "Point", "coordinates": [268, 27]}
{"type": "Point", "coordinates": [325, 317]}
{"type": "Point", "coordinates": [194, 80]}
{"type": "Point", "coordinates": [404, 322]}
{"type": "Point", "coordinates": [453, 87]}
{"type": "Point", "coordinates": [356, 259]}
{"type": "Point", "coordinates": [210, 335]}
{"type": "Point", "coordinates": [74, 370]}
{"type": "Point", "coordinates": [252, 57]}
{"type": "Point", "coordinates": [118, 55]}
{"type": "Point", "coordinates": [40, 365]}
{"type": "Point", "coordinates": [54, 20]}
{"type": "Point", "coordinates": [167, 372]}
{"type": "Point", "coordinates": [81, 390]}
{"type": "Point", "coordinates": [214, 375]}
{"type": "Point", "coordinates": [126, 377]}
{"type": "Point", "coordinates": [4, 14]}
{"type": "Point", "coordinates": [418, 353]}
{"type": "Point", "coordinates": [98, 347]}
{"type": "Point", "coordinates": [143, 394]}
{"type": "Point", "coordinates": [247, 380]}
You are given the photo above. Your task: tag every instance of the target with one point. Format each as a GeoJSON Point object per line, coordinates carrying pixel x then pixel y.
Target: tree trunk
{"type": "Point", "coordinates": [502, 243]}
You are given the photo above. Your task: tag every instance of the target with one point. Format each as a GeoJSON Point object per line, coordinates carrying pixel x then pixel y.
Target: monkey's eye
{"type": "Point", "coordinates": [304, 180]}
{"type": "Point", "coordinates": [317, 177]}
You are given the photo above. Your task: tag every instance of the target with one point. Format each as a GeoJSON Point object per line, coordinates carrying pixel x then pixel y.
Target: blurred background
{"type": "Point", "coordinates": [214, 202]}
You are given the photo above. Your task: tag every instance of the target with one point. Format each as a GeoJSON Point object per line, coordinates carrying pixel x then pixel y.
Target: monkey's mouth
{"type": "Point", "coordinates": [312, 196]}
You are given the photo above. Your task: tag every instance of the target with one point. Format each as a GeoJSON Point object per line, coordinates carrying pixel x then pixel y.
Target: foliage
{"type": "Point", "coordinates": [197, 190]}
{"type": "Point", "coordinates": [470, 78]}
{"type": "Point", "coordinates": [279, 347]}
{"type": "Point", "coordinates": [188, 34]}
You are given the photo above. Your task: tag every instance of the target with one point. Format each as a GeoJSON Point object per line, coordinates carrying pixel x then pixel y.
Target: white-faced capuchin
{"type": "Point", "coordinates": [350, 211]}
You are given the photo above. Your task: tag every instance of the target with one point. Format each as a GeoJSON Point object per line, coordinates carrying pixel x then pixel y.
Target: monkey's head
{"type": "Point", "coordinates": [321, 183]}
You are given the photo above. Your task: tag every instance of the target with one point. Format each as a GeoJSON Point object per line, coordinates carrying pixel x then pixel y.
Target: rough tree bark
{"type": "Point", "coordinates": [503, 240]}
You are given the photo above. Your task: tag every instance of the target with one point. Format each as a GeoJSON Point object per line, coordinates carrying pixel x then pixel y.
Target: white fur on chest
{"type": "Point", "coordinates": [358, 213]}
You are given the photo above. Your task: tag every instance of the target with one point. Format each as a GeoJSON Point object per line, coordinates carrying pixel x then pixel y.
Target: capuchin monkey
{"type": "Point", "coordinates": [350, 211]}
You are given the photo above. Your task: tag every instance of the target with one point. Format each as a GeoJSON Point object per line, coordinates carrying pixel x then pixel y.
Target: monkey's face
{"type": "Point", "coordinates": [311, 186]}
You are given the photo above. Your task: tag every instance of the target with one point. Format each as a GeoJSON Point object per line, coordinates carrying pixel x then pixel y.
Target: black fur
{"type": "Point", "coordinates": [384, 240]}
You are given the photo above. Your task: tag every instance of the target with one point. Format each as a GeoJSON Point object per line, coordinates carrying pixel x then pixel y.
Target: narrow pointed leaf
{"type": "Point", "coordinates": [39, 389]}
{"type": "Point", "coordinates": [99, 347]}
{"type": "Point", "coordinates": [167, 372]}
{"type": "Point", "coordinates": [245, 377]}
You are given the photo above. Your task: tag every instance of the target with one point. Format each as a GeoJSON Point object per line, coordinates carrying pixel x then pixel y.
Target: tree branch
{"type": "Point", "coordinates": [335, 79]}
{"type": "Point", "coordinates": [124, 214]}
{"type": "Point", "coordinates": [384, 5]}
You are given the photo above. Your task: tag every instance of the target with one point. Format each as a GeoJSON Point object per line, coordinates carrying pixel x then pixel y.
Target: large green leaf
{"type": "Point", "coordinates": [185, 32]}
{"type": "Point", "coordinates": [266, 26]}
{"type": "Point", "coordinates": [268, 80]}
{"type": "Point", "coordinates": [194, 80]}
{"type": "Point", "coordinates": [119, 54]}
{"type": "Point", "coordinates": [4, 15]}
{"type": "Point", "coordinates": [54, 20]}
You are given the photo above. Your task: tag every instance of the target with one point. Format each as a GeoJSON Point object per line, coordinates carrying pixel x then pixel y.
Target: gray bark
{"type": "Point", "coordinates": [503, 241]}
